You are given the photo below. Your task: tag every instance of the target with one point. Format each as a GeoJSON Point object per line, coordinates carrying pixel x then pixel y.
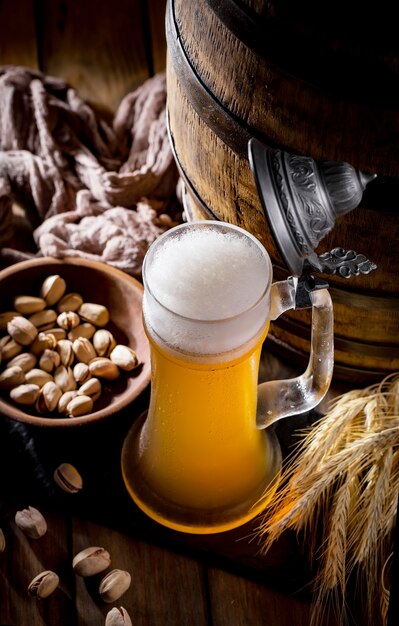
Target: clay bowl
{"type": "Point", "coordinates": [99, 283]}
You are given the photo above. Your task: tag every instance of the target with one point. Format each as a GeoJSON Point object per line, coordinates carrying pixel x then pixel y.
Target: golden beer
{"type": "Point", "coordinates": [197, 462]}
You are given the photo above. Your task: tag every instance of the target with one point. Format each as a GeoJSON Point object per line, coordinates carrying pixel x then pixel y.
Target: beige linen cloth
{"type": "Point", "coordinates": [88, 188]}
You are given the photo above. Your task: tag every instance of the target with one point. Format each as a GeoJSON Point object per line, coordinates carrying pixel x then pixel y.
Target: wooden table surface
{"type": "Point", "coordinates": [177, 579]}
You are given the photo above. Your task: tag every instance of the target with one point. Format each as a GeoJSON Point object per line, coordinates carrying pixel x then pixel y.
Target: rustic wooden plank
{"type": "Point", "coordinates": [239, 601]}
{"type": "Point", "coordinates": [22, 560]}
{"type": "Point", "coordinates": [98, 47]}
{"type": "Point", "coordinates": [18, 35]}
{"type": "Point", "coordinates": [166, 588]}
{"type": "Point", "coordinates": [156, 12]}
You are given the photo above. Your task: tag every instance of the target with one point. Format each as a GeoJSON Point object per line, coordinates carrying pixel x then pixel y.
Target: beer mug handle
{"type": "Point", "coordinates": [282, 398]}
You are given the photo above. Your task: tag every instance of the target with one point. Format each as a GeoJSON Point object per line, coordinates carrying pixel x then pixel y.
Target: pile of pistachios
{"type": "Point", "coordinates": [55, 352]}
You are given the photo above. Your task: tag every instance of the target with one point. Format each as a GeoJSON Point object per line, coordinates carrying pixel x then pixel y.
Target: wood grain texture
{"type": "Point", "coordinates": [257, 95]}
{"type": "Point", "coordinates": [166, 588]}
{"type": "Point", "coordinates": [98, 47]}
{"type": "Point", "coordinates": [241, 602]}
{"type": "Point", "coordinates": [18, 34]}
{"type": "Point", "coordinates": [22, 560]}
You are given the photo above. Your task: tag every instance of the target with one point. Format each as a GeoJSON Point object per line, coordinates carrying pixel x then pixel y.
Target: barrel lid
{"type": "Point", "coordinates": [302, 199]}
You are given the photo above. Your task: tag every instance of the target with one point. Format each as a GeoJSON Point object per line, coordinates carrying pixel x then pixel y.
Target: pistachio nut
{"type": "Point", "coordinates": [29, 304]}
{"type": "Point", "coordinates": [11, 377]}
{"type": "Point", "coordinates": [6, 317]}
{"type": "Point", "coordinates": [2, 541]}
{"type": "Point", "coordinates": [81, 373]}
{"type": "Point", "coordinates": [83, 350]}
{"type": "Point", "coordinates": [9, 348]}
{"type": "Point", "coordinates": [49, 360]}
{"type": "Point", "coordinates": [79, 405]}
{"type": "Point", "coordinates": [118, 617]}
{"type": "Point", "coordinates": [70, 302]}
{"type": "Point", "coordinates": [65, 399]}
{"type": "Point", "coordinates": [86, 330]}
{"type": "Point", "coordinates": [96, 314]}
{"type": "Point", "coordinates": [63, 377]}
{"type": "Point", "coordinates": [101, 367]}
{"type": "Point", "coordinates": [43, 584]}
{"type": "Point", "coordinates": [3, 341]}
{"type": "Point", "coordinates": [124, 357]}
{"type": "Point", "coordinates": [43, 320]}
{"type": "Point", "coordinates": [91, 561]}
{"type": "Point", "coordinates": [42, 342]}
{"type": "Point", "coordinates": [67, 477]}
{"type": "Point", "coordinates": [22, 330]}
{"type": "Point", "coordinates": [103, 342]}
{"type": "Point", "coordinates": [31, 522]}
{"type": "Point", "coordinates": [52, 289]}
{"type": "Point", "coordinates": [25, 394]}
{"type": "Point", "coordinates": [65, 350]}
{"type": "Point", "coordinates": [48, 398]}
{"type": "Point", "coordinates": [91, 388]}
{"type": "Point", "coordinates": [38, 377]}
{"type": "Point", "coordinates": [114, 585]}
{"type": "Point", "coordinates": [68, 320]}
{"type": "Point", "coordinates": [25, 360]}
{"type": "Point", "coordinates": [58, 333]}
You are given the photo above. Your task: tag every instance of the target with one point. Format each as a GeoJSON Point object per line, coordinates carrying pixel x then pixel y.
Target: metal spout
{"type": "Point", "coordinates": [302, 199]}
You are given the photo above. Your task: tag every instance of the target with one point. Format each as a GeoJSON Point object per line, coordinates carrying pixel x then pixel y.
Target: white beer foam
{"type": "Point", "coordinates": [207, 288]}
{"type": "Point", "coordinates": [208, 274]}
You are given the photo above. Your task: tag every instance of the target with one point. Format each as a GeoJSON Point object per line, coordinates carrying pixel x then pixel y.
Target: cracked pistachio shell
{"type": "Point", "coordinates": [25, 394]}
{"type": "Point", "coordinates": [65, 399]}
{"type": "Point", "coordinates": [43, 584]}
{"type": "Point", "coordinates": [84, 350]}
{"type": "Point", "coordinates": [49, 360]}
{"type": "Point", "coordinates": [79, 405]}
{"type": "Point", "coordinates": [103, 342]}
{"type": "Point", "coordinates": [96, 314]}
{"type": "Point", "coordinates": [12, 377]}
{"type": "Point", "coordinates": [38, 377]}
{"type": "Point", "coordinates": [81, 373]}
{"type": "Point", "coordinates": [124, 357]}
{"type": "Point", "coordinates": [63, 377]}
{"type": "Point", "coordinates": [31, 522]}
{"type": "Point", "coordinates": [42, 342]}
{"type": "Point", "coordinates": [52, 289]}
{"type": "Point", "coordinates": [91, 561]}
{"type": "Point", "coordinates": [91, 388]}
{"type": "Point", "coordinates": [48, 398]}
{"type": "Point", "coordinates": [2, 541]}
{"type": "Point", "coordinates": [118, 617]}
{"type": "Point", "coordinates": [70, 302]}
{"type": "Point", "coordinates": [85, 330]}
{"type": "Point", "coordinates": [9, 348]}
{"type": "Point", "coordinates": [29, 304]}
{"type": "Point", "coordinates": [102, 367]}
{"type": "Point", "coordinates": [67, 477]}
{"type": "Point", "coordinates": [65, 350]}
{"type": "Point", "coordinates": [43, 320]}
{"type": "Point", "coordinates": [26, 361]}
{"type": "Point", "coordinates": [68, 320]}
{"type": "Point", "coordinates": [114, 585]}
{"type": "Point", "coordinates": [22, 330]}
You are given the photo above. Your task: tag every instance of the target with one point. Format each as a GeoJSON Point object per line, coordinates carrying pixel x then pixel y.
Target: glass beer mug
{"type": "Point", "coordinates": [203, 458]}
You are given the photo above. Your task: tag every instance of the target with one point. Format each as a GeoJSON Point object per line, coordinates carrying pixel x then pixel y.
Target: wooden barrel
{"type": "Point", "coordinates": [311, 80]}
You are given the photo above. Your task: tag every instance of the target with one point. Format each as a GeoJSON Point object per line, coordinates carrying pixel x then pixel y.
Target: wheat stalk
{"type": "Point", "coordinates": [343, 479]}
